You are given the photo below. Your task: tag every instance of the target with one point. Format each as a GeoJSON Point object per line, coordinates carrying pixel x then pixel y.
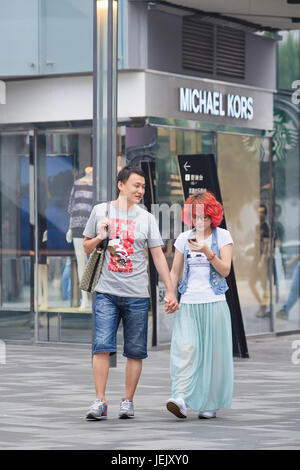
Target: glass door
{"type": "Point", "coordinates": [63, 204]}
{"type": "Point", "coordinates": [171, 143]}
{"type": "Point", "coordinates": [244, 169]}
{"type": "Point", "coordinates": [16, 236]}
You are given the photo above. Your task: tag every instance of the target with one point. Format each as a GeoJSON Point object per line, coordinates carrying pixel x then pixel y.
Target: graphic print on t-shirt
{"type": "Point", "coordinates": [197, 259]}
{"type": "Point", "coordinates": [120, 245]}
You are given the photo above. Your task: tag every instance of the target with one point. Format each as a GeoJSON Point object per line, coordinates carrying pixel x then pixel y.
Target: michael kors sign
{"type": "Point", "coordinates": [192, 102]}
{"type": "Point", "coordinates": [216, 103]}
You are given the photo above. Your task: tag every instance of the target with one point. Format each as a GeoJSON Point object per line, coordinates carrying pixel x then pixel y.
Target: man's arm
{"type": "Point", "coordinates": [162, 268]}
{"type": "Point", "coordinates": [177, 267]}
{"type": "Point", "coordinates": [89, 244]}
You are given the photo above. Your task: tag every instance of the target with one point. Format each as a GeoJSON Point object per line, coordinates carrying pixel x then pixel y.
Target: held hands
{"type": "Point", "coordinates": [171, 304]}
{"type": "Point", "coordinates": [103, 228]}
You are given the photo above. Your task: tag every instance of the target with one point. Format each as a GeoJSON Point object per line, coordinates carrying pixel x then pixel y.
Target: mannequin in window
{"type": "Point", "coordinates": [80, 206]}
{"type": "Point", "coordinates": [42, 267]}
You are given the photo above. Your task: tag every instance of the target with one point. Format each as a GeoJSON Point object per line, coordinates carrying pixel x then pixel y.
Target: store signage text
{"type": "Point", "coordinates": [216, 103]}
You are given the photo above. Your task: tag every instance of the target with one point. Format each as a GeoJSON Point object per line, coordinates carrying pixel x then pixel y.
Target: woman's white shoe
{"type": "Point", "coordinates": [177, 407]}
{"type": "Point", "coordinates": [207, 414]}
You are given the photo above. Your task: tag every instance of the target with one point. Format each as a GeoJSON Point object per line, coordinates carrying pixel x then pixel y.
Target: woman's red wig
{"type": "Point", "coordinates": [210, 206]}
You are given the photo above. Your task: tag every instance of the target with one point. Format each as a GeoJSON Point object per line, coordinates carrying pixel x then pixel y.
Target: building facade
{"type": "Point", "coordinates": [189, 91]}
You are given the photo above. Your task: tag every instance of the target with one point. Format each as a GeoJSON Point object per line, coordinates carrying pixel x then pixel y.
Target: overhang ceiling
{"type": "Point", "coordinates": [252, 15]}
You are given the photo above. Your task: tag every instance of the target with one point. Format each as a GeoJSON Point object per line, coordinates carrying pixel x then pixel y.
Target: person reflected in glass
{"type": "Point", "coordinates": [201, 364]}
{"type": "Point", "coordinates": [278, 264]}
{"type": "Point", "coordinates": [283, 313]}
{"type": "Point", "coordinates": [259, 267]}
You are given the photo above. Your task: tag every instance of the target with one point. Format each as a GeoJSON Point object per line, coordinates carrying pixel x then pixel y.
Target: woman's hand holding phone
{"type": "Point", "coordinates": [200, 247]}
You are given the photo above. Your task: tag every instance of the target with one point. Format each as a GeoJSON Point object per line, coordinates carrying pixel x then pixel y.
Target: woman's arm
{"type": "Point", "coordinates": [177, 267]}
{"type": "Point", "coordinates": [222, 264]}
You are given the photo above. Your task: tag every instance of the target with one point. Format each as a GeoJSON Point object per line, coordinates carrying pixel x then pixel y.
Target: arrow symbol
{"type": "Point", "coordinates": [186, 166]}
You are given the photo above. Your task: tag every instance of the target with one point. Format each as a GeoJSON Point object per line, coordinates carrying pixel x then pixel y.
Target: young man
{"type": "Point", "coordinates": [259, 268]}
{"type": "Point", "coordinates": [122, 290]}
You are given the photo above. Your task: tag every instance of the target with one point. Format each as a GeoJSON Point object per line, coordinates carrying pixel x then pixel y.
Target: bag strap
{"type": "Point", "coordinates": [107, 215]}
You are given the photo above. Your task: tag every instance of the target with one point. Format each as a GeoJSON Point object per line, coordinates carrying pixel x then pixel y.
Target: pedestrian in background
{"type": "Point", "coordinates": [259, 269]}
{"type": "Point", "coordinates": [283, 313]}
{"type": "Point", "coordinates": [201, 362]}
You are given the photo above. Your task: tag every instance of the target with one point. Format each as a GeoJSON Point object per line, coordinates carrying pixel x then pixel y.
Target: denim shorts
{"type": "Point", "coordinates": [108, 311]}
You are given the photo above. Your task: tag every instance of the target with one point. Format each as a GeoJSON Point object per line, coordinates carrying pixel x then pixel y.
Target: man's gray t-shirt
{"type": "Point", "coordinates": [124, 271]}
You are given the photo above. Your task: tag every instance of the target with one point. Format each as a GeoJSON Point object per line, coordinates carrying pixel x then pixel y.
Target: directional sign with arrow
{"type": "Point", "coordinates": [186, 166]}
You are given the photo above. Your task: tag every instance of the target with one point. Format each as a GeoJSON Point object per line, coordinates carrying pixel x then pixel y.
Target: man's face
{"type": "Point", "coordinates": [261, 214]}
{"type": "Point", "coordinates": [133, 189]}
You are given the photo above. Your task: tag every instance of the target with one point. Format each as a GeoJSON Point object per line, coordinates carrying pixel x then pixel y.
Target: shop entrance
{"type": "Point", "coordinates": [244, 171]}
{"type": "Point", "coordinates": [64, 200]}
{"type": "Point", "coordinates": [41, 261]}
{"type": "Point", "coordinates": [16, 240]}
{"type": "Point", "coordinates": [46, 198]}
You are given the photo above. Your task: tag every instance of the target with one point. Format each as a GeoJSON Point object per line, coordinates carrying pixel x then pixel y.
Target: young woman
{"type": "Point", "coordinates": [201, 364]}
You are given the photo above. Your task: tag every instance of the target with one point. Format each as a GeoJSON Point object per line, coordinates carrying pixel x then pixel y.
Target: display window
{"type": "Point", "coordinates": [47, 193]}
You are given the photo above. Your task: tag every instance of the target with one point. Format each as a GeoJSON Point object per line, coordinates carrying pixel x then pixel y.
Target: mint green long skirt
{"type": "Point", "coordinates": [201, 362]}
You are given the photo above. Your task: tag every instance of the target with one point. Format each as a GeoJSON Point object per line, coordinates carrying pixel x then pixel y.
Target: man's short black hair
{"type": "Point", "coordinates": [128, 170]}
{"type": "Point", "coordinates": [263, 206]}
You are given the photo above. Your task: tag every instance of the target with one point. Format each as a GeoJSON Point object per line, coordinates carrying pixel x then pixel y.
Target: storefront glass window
{"type": "Point", "coordinates": [16, 275]}
{"type": "Point", "coordinates": [244, 175]}
{"type": "Point", "coordinates": [170, 144]}
{"type": "Point", "coordinates": [243, 164]}
{"type": "Point", "coordinates": [286, 171]}
{"type": "Point", "coordinates": [288, 59]}
{"type": "Point", "coordinates": [41, 258]}
{"type": "Point", "coordinates": [64, 202]}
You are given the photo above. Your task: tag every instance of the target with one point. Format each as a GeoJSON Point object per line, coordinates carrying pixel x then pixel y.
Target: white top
{"type": "Point", "coordinates": [199, 290]}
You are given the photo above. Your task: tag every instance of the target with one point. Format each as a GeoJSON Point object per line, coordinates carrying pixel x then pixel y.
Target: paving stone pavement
{"type": "Point", "coordinates": [45, 391]}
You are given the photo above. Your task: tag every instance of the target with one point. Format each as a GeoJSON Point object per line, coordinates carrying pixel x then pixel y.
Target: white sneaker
{"type": "Point", "coordinates": [126, 409]}
{"type": "Point", "coordinates": [98, 410]}
{"type": "Point", "coordinates": [177, 407]}
{"type": "Point", "coordinates": [207, 414]}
